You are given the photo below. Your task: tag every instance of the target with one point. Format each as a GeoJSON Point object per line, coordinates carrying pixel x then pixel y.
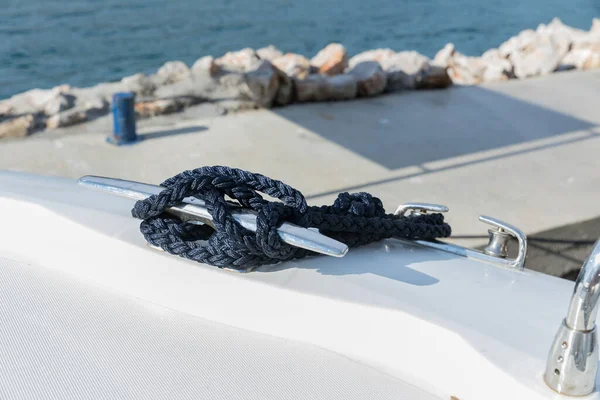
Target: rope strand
{"type": "Point", "coordinates": [355, 219]}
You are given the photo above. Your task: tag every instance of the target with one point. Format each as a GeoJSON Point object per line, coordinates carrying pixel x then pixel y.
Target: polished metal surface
{"type": "Point", "coordinates": [498, 243]}
{"type": "Point", "coordinates": [471, 254]}
{"type": "Point", "coordinates": [573, 359]}
{"type": "Point", "coordinates": [420, 208]}
{"type": "Point", "coordinates": [192, 209]}
{"type": "Point", "coordinates": [497, 246]}
{"type": "Point", "coordinates": [498, 240]}
{"type": "Point", "coordinates": [572, 362]}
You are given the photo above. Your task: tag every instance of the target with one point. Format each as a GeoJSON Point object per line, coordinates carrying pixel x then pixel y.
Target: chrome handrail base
{"type": "Point", "coordinates": [572, 362]}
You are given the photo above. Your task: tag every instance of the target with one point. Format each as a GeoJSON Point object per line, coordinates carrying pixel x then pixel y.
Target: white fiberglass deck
{"type": "Point", "coordinates": [411, 316]}
{"type": "Point", "coordinates": [61, 338]}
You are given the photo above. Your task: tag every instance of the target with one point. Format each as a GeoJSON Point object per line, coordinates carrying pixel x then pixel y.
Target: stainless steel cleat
{"type": "Point", "coordinates": [193, 209]}
{"type": "Point", "coordinates": [496, 250]}
{"type": "Point", "coordinates": [420, 208]}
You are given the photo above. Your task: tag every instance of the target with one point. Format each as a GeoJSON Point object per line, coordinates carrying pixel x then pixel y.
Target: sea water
{"type": "Point", "coordinates": [44, 43]}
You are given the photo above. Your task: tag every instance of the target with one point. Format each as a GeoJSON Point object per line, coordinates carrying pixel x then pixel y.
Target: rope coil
{"type": "Point", "coordinates": [355, 219]}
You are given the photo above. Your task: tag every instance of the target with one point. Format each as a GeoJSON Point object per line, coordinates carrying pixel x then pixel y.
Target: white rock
{"type": "Point", "coordinates": [408, 61]}
{"type": "Point", "coordinates": [371, 55]}
{"type": "Point", "coordinates": [64, 88]}
{"type": "Point", "coordinates": [61, 102]}
{"type": "Point", "coordinates": [227, 85]}
{"type": "Point", "coordinates": [403, 69]}
{"type": "Point", "coordinates": [6, 109]}
{"type": "Point", "coordinates": [561, 43]}
{"type": "Point", "coordinates": [595, 29]}
{"type": "Point", "coordinates": [540, 57]}
{"type": "Point", "coordinates": [141, 84]}
{"type": "Point", "coordinates": [496, 71]}
{"type": "Point", "coordinates": [590, 43]}
{"type": "Point", "coordinates": [97, 105]}
{"type": "Point", "coordinates": [331, 60]}
{"type": "Point", "coordinates": [173, 71]}
{"type": "Point", "coordinates": [17, 127]}
{"type": "Point", "coordinates": [239, 61]}
{"type": "Point", "coordinates": [228, 106]}
{"type": "Point", "coordinates": [464, 70]}
{"type": "Point", "coordinates": [443, 57]}
{"type": "Point", "coordinates": [147, 109]}
{"type": "Point", "coordinates": [575, 59]}
{"type": "Point", "coordinates": [262, 81]}
{"type": "Point", "coordinates": [492, 54]}
{"type": "Point", "coordinates": [371, 78]}
{"type": "Point", "coordinates": [32, 100]}
{"type": "Point", "coordinates": [102, 90]}
{"type": "Point", "coordinates": [588, 40]}
{"type": "Point", "coordinates": [557, 30]}
{"type": "Point", "coordinates": [556, 34]}
{"type": "Point", "coordinates": [206, 65]}
{"type": "Point", "coordinates": [269, 53]}
{"type": "Point", "coordinates": [49, 101]}
{"type": "Point", "coordinates": [293, 65]}
{"type": "Point", "coordinates": [593, 61]}
{"type": "Point", "coordinates": [497, 68]}
{"type": "Point", "coordinates": [581, 59]}
{"type": "Point", "coordinates": [66, 118]}
{"type": "Point", "coordinates": [540, 52]}
{"type": "Point", "coordinates": [39, 98]}
{"type": "Point", "coordinates": [516, 43]}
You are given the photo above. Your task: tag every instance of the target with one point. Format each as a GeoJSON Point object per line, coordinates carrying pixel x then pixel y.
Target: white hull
{"type": "Point", "coordinates": [98, 307]}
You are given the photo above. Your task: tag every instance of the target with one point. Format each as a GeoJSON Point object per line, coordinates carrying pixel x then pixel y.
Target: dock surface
{"type": "Point", "coordinates": [526, 152]}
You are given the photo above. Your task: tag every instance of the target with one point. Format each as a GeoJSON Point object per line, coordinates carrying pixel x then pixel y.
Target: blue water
{"type": "Point", "coordinates": [82, 42]}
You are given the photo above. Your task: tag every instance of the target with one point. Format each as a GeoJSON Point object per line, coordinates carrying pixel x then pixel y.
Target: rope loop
{"type": "Point", "coordinates": [354, 218]}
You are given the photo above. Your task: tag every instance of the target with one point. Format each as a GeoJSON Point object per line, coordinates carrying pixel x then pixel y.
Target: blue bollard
{"type": "Point", "coordinates": [123, 119]}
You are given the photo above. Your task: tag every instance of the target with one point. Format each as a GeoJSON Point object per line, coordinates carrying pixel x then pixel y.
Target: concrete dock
{"type": "Point", "coordinates": [526, 152]}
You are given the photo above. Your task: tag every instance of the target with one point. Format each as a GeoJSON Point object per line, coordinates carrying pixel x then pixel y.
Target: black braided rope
{"type": "Point", "coordinates": [355, 219]}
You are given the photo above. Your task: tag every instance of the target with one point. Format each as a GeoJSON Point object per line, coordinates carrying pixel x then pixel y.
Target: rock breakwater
{"type": "Point", "coordinates": [269, 78]}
